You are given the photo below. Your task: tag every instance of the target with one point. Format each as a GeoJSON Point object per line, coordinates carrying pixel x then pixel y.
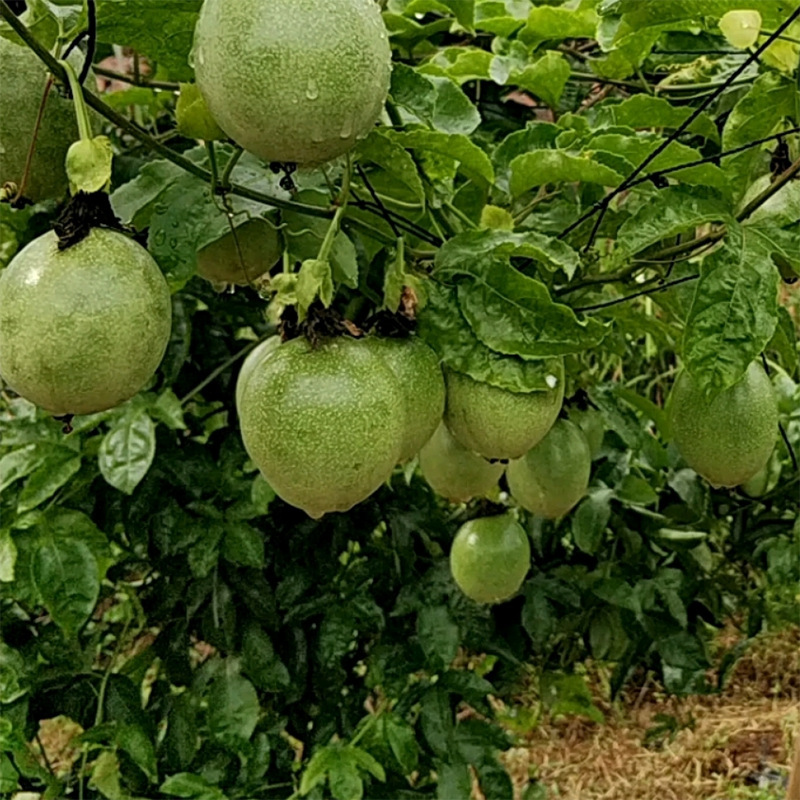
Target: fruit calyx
{"type": "Point", "coordinates": [82, 213]}
{"type": "Point", "coordinates": [320, 324]}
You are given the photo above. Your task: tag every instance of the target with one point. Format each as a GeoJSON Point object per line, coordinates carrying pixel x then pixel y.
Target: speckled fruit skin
{"type": "Point", "coordinates": [259, 250]}
{"type": "Point", "coordinates": [490, 558]}
{"type": "Point", "coordinates": [83, 329]}
{"type": "Point", "coordinates": [257, 355]}
{"type": "Point", "coordinates": [324, 426]}
{"type": "Point", "coordinates": [295, 81]}
{"type": "Point", "coordinates": [417, 369]}
{"type": "Point", "coordinates": [730, 439]}
{"type": "Point", "coordinates": [21, 88]}
{"type": "Point", "coordinates": [453, 471]}
{"type": "Point", "coordinates": [552, 477]}
{"type": "Point", "coordinates": [496, 423]}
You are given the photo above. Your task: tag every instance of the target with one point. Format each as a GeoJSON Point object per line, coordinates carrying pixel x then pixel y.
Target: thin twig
{"type": "Point", "coordinates": [654, 290]}
{"type": "Point", "coordinates": [166, 86]}
{"type": "Point", "coordinates": [389, 221]}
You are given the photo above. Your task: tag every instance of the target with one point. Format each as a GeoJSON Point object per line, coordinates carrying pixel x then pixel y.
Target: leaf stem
{"type": "Point", "coordinates": [146, 84]}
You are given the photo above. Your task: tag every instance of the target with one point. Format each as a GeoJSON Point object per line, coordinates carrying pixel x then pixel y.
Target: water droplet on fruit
{"type": "Point", "coordinates": [312, 91]}
{"type": "Point", "coordinates": [347, 129]}
{"type": "Point", "coordinates": [551, 381]}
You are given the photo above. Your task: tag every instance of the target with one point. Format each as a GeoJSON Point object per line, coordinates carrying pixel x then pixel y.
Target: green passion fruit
{"type": "Point", "coordinates": [21, 91]}
{"type": "Point", "coordinates": [256, 356]}
{"type": "Point", "coordinates": [293, 81]}
{"type": "Point", "coordinates": [553, 476]}
{"type": "Point", "coordinates": [729, 439]}
{"type": "Point", "coordinates": [455, 472]}
{"type": "Point", "coordinates": [241, 258]}
{"type": "Point", "coordinates": [417, 370]}
{"type": "Point", "coordinates": [590, 421]}
{"type": "Point", "coordinates": [324, 424]}
{"type": "Point", "coordinates": [82, 329]}
{"type": "Point", "coordinates": [497, 423]}
{"type": "Point", "coordinates": [490, 558]}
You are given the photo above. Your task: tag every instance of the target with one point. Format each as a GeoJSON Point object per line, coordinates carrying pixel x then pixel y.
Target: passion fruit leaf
{"type": "Point", "coordinates": [394, 159]}
{"type": "Point", "coordinates": [57, 467]}
{"type": "Point", "coordinates": [65, 573]}
{"type": "Point", "coordinates": [558, 23]}
{"type": "Point", "coordinates": [163, 32]}
{"type": "Point", "coordinates": [473, 247]}
{"type": "Point", "coordinates": [634, 149]}
{"type": "Point", "coordinates": [89, 165]}
{"type": "Point", "coordinates": [545, 78]}
{"type": "Point", "coordinates": [446, 330]}
{"type": "Point", "coordinates": [643, 112]}
{"type": "Point", "coordinates": [474, 163]}
{"type": "Point", "coordinates": [462, 10]}
{"type": "Point", "coordinates": [784, 341]}
{"type": "Point", "coordinates": [735, 310]}
{"type": "Point", "coordinates": [669, 212]}
{"type": "Point", "coordinates": [591, 518]}
{"type": "Point", "coordinates": [315, 280]}
{"type": "Point", "coordinates": [128, 450]}
{"type": "Point", "coordinates": [193, 117]}
{"type": "Point", "coordinates": [541, 167]}
{"type": "Point", "coordinates": [395, 279]}
{"type": "Point", "coordinates": [184, 784]}
{"type": "Point", "coordinates": [741, 27]}
{"type": "Point", "coordinates": [758, 114]}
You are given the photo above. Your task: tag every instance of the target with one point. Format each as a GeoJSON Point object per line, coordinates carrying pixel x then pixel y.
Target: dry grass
{"type": "Point", "coordinates": [725, 744]}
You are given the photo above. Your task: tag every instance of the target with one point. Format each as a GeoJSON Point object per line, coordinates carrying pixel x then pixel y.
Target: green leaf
{"type": "Point", "coordinates": [57, 467]}
{"type": "Point", "coordinates": [590, 520]}
{"type": "Point", "coordinates": [545, 78]}
{"type": "Point", "coordinates": [784, 342]}
{"type": "Point", "coordinates": [193, 116]}
{"type": "Point", "coordinates": [453, 780]}
{"type": "Point", "coordinates": [671, 211]}
{"type": "Point", "coordinates": [367, 762]}
{"type": "Point", "coordinates": [19, 464]}
{"type": "Point", "coordinates": [446, 330]}
{"type": "Point", "coordinates": [65, 573]}
{"type": "Point", "coordinates": [233, 708]}
{"type": "Point", "coordinates": [542, 167]}
{"type": "Point", "coordinates": [243, 545]}
{"type": "Point", "coordinates": [436, 101]}
{"type": "Point", "coordinates": [780, 210]}
{"type": "Point", "coordinates": [137, 744]}
{"type": "Point", "coordinates": [568, 694]}
{"type": "Point", "coordinates": [403, 742]}
{"type": "Point", "coordinates": [89, 165]}
{"type": "Point", "coordinates": [741, 28]}
{"type": "Point", "coordinates": [393, 158]}
{"type": "Point", "coordinates": [261, 663]}
{"type": "Point", "coordinates": [510, 312]}
{"type": "Point", "coordinates": [315, 280]}
{"type": "Point", "coordinates": [167, 409]}
{"type": "Point", "coordinates": [185, 784]}
{"type": "Point", "coordinates": [477, 246]}
{"type": "Point", "coordinates": [545, 22]}
{"type": "Point", "coordinates": [345, 781]}
{"type": "Point", "coordinates": [134, 201]}
{"type": "Point", "coordinates": [128, 450]}
{"type": "Point", "coordinates": [515, 315]}
{"type": "Point", "coordinates": [321, 763]}
{"type": "Point", "coordinates": [162, 31]}
{"type": "Point", "coordinates": [439, 635]}
{"type": "Point", "coordinates": [538, 135]}
{"type": "Point", "coordinates": [8, 556]}
{"type": "Point", "coordinates": [735, 310]}
{"type": "Point", "coordinates": [462, 10]}
{"type": "Point", "coordinates": [643, 111]}
{"type": "Point", "coordinates": [106, 778]}
{"type": "Point", "coordinates": [474, 162]}
{"type": "Point", "coordinates": [757, 115]}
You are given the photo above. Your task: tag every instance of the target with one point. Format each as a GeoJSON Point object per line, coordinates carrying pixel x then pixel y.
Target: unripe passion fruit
{"type": "Point", "coordinates": [490, 558]}
{"type": "Point", "coordinates": [417, 369]}
{"type": "Point", "coordinates": [453, 471]}
{"type": "Point", "coordinates": [729, 439]}
{"type": "Point", "coordinates": [21, 91]}
{"type": "Point", "coordinates": [259, 248]}
{"type": "Point", "coordinates": [553, 476]}
{"type": "Point", "coordinates": [293, 80]}
{"type": "Point", "coordinates": [496, 423]}
{"type": "Point", "coordinates": [256, 356]}
{"type": "Point", "coordinates": [82, 329]}
{"type": "Point", "coordinates": [324, 425]}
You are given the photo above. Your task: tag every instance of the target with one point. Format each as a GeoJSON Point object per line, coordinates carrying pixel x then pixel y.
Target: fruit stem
{"type": "Point", "coordinates": [81, 112]}
{"type": "Point", "coordinates": [333, 228]}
